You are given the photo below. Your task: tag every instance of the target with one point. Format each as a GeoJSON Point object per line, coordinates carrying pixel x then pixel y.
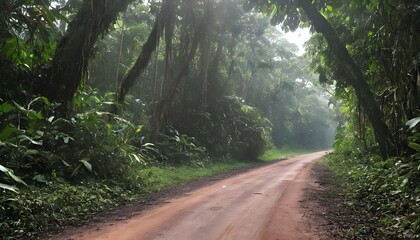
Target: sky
{"type": "Point", "coordinates": [298, 37]}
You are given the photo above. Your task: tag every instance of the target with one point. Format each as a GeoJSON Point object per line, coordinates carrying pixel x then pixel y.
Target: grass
{"type": "Point", "coordinates": [387, 202]}
{"type": "Point", "coordinates": [281, 153]}
{"type": "Point", "coordinates": [163, 177]}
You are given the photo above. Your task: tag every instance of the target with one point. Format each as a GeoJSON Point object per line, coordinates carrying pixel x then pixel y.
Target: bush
{"type": "Point", "coordinates": [37, 142]}
{"type": "Point", "coordinates": [387, 190]}
{"type": "Point", "coordinates": [235, 128]}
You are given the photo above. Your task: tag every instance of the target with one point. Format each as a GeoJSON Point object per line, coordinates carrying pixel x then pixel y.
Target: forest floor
{"type": "Point", "coordinates": [282, 200]}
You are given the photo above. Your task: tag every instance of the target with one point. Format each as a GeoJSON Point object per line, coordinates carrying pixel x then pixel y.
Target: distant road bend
{"type": "Point", "coordinates": [260, 204]}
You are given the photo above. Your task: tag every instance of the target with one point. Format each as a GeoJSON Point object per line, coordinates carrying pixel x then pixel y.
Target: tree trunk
{"type": "Point", "coordinates": [354, 77]}
{"type": "Point", "coordinates": [204, 65]}
{"type": "Point", "coordinates": [73, 51]}
{"type": "Point", "coordinates": [117, 70]}
{"type": "Point", "coordinates": [159, 114]}
{"type": "Point", "coordinates": [169, 33]}
{"type": "Point", "coordinates": [142, 61]}
{"type": "Point", "coordinates": [148, 48]}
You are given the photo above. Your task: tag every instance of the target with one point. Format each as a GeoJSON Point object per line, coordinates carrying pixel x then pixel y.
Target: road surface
{"type": "Point", "coordinates": [263, 203]}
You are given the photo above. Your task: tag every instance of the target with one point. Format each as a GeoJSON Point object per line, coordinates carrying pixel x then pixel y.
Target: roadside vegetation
{"type": "Point", "coordinates": [380, 199]}
{"type": "Point", "coordinates": [379, 174]}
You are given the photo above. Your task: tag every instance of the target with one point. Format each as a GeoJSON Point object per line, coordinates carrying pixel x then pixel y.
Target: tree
{"type": "Point", "coordinates": [152, 42]}
{"type": "Point", "coordinates": [287, 11]}
{"type": "Point", "coordinates": [355, 78]}
{"type": "Point", "coordinates": [72, 55]}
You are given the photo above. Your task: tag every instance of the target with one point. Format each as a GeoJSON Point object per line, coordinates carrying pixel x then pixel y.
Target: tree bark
{"type": "Point", "coordinates": [142, 61]}
{"type": "Point", "coordinates": [204, 65]}
{"type": "Point", "coordinates": [354, 77]}
{"type": "Point", "coordinates": [73, 51]}
{"type": "Point", "coordinates": [148, 48]}
{"type": "Point", "coordinates": [159, 114]}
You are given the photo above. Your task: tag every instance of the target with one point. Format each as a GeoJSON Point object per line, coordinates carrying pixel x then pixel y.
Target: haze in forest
{"type": "Point", "coordinates": [121, 95]}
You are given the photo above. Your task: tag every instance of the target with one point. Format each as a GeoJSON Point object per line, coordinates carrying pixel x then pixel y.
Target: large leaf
{"type": "Point", "coordinates": [35, 115]}
{"type": "Point", "coordinates": [6, 131]}
{"type": "Point", "coordinates": [413, 122]}
{"type": "Point", "coordinates": [31, 140]}
{"type": "Point", "coordinates": [40, 178]}
{"type": "Point", "coordinates": [8, 187]}
{"type": "Point", "coordinates": [19, 106]}
{"type": "Point", "coordinates": [86, 164]}
{"type": "Point", "coordinates": [10, 173]}
{"type": "Point", "coordinates": [414, 146]}
{"type": "Point", "coordinates": [6, 107]}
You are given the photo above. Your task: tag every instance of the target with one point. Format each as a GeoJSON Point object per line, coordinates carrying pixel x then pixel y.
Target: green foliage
{"type": "Point", "coordinates": [41, 209]}
{"type": "Point", "coordinates": [9, 175]}
{"type": "Point", "coordinates": [27, 31]}
{"type": "Point", "coordinates": [274, 153]}
{"type": "Point", "coordinates": [378, 36]}
{"type": "Point", "coordinates": [86, 145]}
{"type": "Point", "coordinates": [48, 152]}
{"type": "Point", "coordinates": [176, 149]}
{"type": "Point", "coordinates": [386, 190]}
{"type": "Point", "coordinates": [167, 176]}
{"type": "Point", "coordinates": [236, 128]}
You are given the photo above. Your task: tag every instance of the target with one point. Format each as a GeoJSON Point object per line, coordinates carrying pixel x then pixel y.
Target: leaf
{"type": "Point", "coordinates": [87, 164]}
{"type": "Point", "coordinates": [136, 157]}
{"type": "Point", "coordinates": [31, 140]}
{"type": "Point", "coordinates": [65, 163]}
{"type": "Point", "coordinates": [124, 121]}
{"type": "Point", "coordinates": [414, 146]}
{"type": "Point", "coordinates": [329, 8]}
{"type": "Point", "coordinates": [139, 128]}
{"type": "Point", "coordinates": [6, 107]}
{"type": "Point", "coordinates": [31, 152]}
{"type": "Point", "coordinates": [35, 115]}
{"type": "Point", "coordinates": [9, 172]}
{"type": "Point", "coordinates": [8, 187]}
{"type": "Point", "coordinates": [108, 103]}
{"type": "Point", "coordinates": [19, 106]}
{"type": "Point", "coordinates": [4, 169]}
{"type": "Point", "coordinates": [396, 192]}
{"type": "Point", "coordinates": [39, 178]}
{"type": "Point", "coordinates": [148, 145]}
{"type": "Point", "coordinates": [404, 182]}
{"type": "Point", "coordinates": [17, 179]}
{"type": "Point", "coordinates": [412, 122]}
{"type": "Point", "coordinates": [5, 132]}
{"type": "Point", "coordinates": [66, 139]}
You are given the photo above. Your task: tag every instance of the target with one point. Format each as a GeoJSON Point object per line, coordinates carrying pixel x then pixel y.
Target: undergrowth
{"type": "Point", "coordinates": [274, 153]}
{"type": "Point", "coordinates": [41, 209]}
{"type": "Point", "coordinates": [384, 195]}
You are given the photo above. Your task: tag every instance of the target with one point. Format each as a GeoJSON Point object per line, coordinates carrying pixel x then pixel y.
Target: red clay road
{"type": "Point", "coordinates": [260, 204]}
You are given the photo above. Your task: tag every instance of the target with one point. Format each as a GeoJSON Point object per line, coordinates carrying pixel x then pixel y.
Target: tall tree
{"type": "Point", "coordinates": [355, 78]}
{"type": "Point", "coordinates": [288, 13]}
{"type": "Point", "coordinates": [74, 49]}
{"type": "Point", "coordinates": [159, 117]}
{"type": "Point", "coordinates": [149, 47]}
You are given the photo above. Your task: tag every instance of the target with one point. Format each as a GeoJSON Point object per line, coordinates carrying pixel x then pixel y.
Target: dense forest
{"type": "Point", "coordinates": [98, 96]}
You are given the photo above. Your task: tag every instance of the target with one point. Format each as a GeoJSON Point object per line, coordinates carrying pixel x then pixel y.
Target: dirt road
{"type": "Point", "coordinates": [260, 204]}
